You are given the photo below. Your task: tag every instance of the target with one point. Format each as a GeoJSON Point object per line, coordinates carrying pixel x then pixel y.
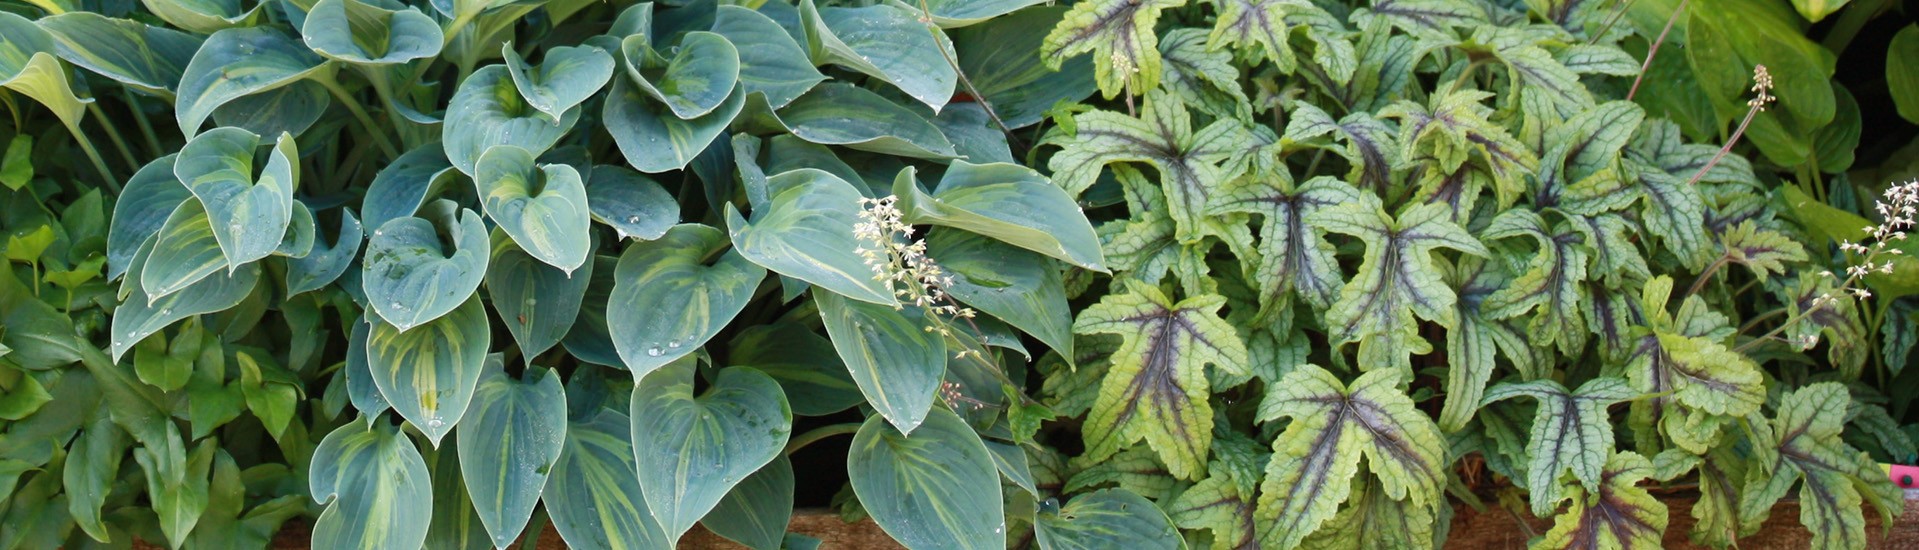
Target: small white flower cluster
{"type": "Point", "coordinates": [1762, 87]}
{"type": "Point", "coordinates": [1899, 207]}
{"type": "Point", "coordinates": [896, 258]}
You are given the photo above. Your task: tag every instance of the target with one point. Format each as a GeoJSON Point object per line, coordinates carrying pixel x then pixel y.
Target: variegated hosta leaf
{"type": "Point", "coordinates": [1157, 389]}
{"type": "Point", "coordinates": [411, 277]}
{"type": "Point", "coordinates": [247, 213]}
{"type": "Point", "coordinates": [1332, 426]}
{"type": "Point", "coordinates": [538, 302]}
{"type": "Point", "coordinates": [897, 363]}
{"type": "Point", "coordinates": [375, 488]}
{"type": "Point", "coordinates": [1008, 202]}
{"type": "Point", "coordinates": [887, 41]}
{"type": "Point", "coordinates": [1452, 128]}
{"type": "Point", "coordinates": [429, 373]}
{"type": "Point", "coordinates": [693, 449]}
{"type": "Point", "coordinates": [771, 62]}
{"type": "Point", "coordinates": [805, 231]}
{"type": "Point", "coordinates": [565, 77]}
{"type": "Point", "coordinates": [1551, 285]}
{"type": "Point", "coordinates": [29, 66]}
{"type": "Point", "coordinates": [204, 17]}
{"type": "Point", "coordinates": [593, 494]}
{"type": "Point", "coordinates": [1294, 257]}
{"type": "Point", "coordinates": [652, 138]}
{"type": "Point", "coordinates": [805, 364]}
{"type": "Point", "coordinates": [366, 34]}
{"type": "Point", "coordinates": [1835, 479]}
{"type": "Point", "coordinates": [235, 63]}
{"type": "Point", "coordinates": [667, 302]}
{"type": "Point", "coordinates": [1397, 282]}
{"type": "Point", "coordinates": [140, 317]}
{"type": "Point", "coordinates": [1107, 518]}
{"type": "Point", "coordinates": [959, 13]}
{"type": "Point", "coordinates": [149, 58]}
{"type": "Point", "coordinates": [1371, 148]}
{"type": "Point", "coordinates": [1002, 59]}
{"type": "Point", "coordinates": [406, 184]}
{"type": "Point", "coordinates": [144, 204]}
{"type": "Point", "coordinates": [487, 110]}
{"type": "Point", "coordinates": [1019, 287]}
{"type": "Point", "coordinates": [589, 339]}
{"type": "Point", "coordinates": [1188, 161]}
{"type": "Point", "coordinates": [936, 488]}
{"type": "Point", "coordinates": [841, 114]}
{"type": "Point", "coordinates": [1761, 250]}
{"type": "Point", "coordinates": [756, 512]}
{"type": "Point", "coordinates": [513, 435]}
{"type": "Point", "coordinates": [542, 206]}
{"type": "Point", "coordinates": [1617, 514]}
{"type": "Point", "coordinates": [699, 77]}
{"type": "Point", "coordinates": [1119, 34]}
{"type": "Point", "coordinates": [1571, 430]}
{"type": "Point", "coordinates": [632, 203]}
{"type": "Point", "coordinates": [324, 264]}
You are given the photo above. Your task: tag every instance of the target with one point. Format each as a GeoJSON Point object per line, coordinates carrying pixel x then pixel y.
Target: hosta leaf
{"type": "Point", "coordinates": [235, 63]}
{"type": "Point", "coordinates": [144, 205]}
{"type": "Point", "coordinates": [699, 447]}
{"type": "Point", "coordinates": [699, 77]}
{"type": "Point", "coordinates": [28, 66]}
{"type": "Point", "coordinates": [1835, 479]}
{"type": "Point", "coordinates": [1294, 257]}
{"type": "Point", "coordinates": [566, 76]}
{"type": "Point", "coordinates": [1119, 34]}
{"type": "Point", "coordinates": [1107, 518]}
{"type": "Point", "coordinates": [515, 432]}
{"type": "Point", "coordinates": [375, 486]}
{"type": "Point", "coordinates": [361, 33]}
{"type": "Point", "coordinates": [542, 206]}
{"type": "Point", "coordinates": [1550, 286]}
{"type": "Point", "coordinates": [1760, 250]}
{"type": "Point", "coordinates": [361, 391]}
{"type": "Point", "coordinates": [538, 302]}
{"type": "Point", "coordinates": [593, 494]}
{"type": "Point", "coordinates": [185, 252]}
{"type": "Point", "coordinates": [756, 512]}
{"type": "Point", "coordinates": [896, 362]}
{"type": "Point", "coordinates": [248, 215]}
{"type": "Point", "coordinates": [1008, 202]}
{"type": "Point", "coordinates": [667, 301]}
{"type": "Point", "coordinates": [1333, 425]}
{"type": "Point", "coordinates": [1019, 287]}
{"type": "Point", "coordinates": [324, 264]}
{"type": "Point", "coordinates": [805, 231]}
{"type": "Point", "coordinates": [140, 317]}
{"type": "Point", "coordinates": [404, 185]}
{"type": "Point", "coordinates": [1901, 78]}
{"type": "Point", "coordinates": [455, 525]}
{"type": "Point", "coordinates": [1616, 514]}
{"type": "Point", "coordinates": [428, 374]}
{"type": "Point", "coordinates": [651, 138]}
{"type": "Point", "coordinates": [1188, 161]}
{"type": "Point", "coordinates": [841, 114]}
{"type": "Point", "coordinates": [147, 57]}
{"type": "Point", "coordinates": [960, 13]}
{"type": "Point", "coordinates": [1571, 430]}
{"type": "Point", "coordinates": [1157, 388]}
{"type": "Point", "coordinates": [289, 109]}
{"type": "Point", "coordinates": [204, 16]}
{"type": "Point", "coordinates": [410, 275]}
{"type": "Point", "coordinates": [887, 41]}
{"type": "Point", "coordinates": [770, 61]}
{"type": "Point", "coordinates": [1396, 282]}
{"type": "Point", "coordinates": [588, 340]}
{"type": "Point", "coordinates": [488, 111]}
{"type": "Point", "coordinates": [1001, 57]}
{"type": "Point", "coordinates": [807, 367]}
{"type": "Point", "coordinates": [936, 488]}
{"type": "Point", "coordinates": [633, 204]}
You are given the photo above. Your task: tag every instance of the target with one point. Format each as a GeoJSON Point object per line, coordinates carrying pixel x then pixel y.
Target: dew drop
{"type": "Point", "coordinates": [654, 352]}
{"type": "Point", "coordinates": [632, 219]}
{"type": "Point", "coordinates": [435, 423]}
{"type": "Point", "coordinates": [673, 344]}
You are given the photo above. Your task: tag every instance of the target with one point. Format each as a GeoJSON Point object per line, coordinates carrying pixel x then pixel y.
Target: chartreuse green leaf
{"type": "Point", "coordinates": [1163, 137]}
{"type": "Point", "coordinates": [1371, 519]}
{"type": "Point", "coordinates": [488, 111]}
{"type": "Point", "coordinates": [1258, 25]}
{"type": "Point", "coordinates": [1804, 444]}
{"type": "Point", "coordinates": [144, 205]}
{"type": "Point", "coordinates": [887, 41]}
{"type": "Point", "coordinates": [325, 264]}
{"type": "Point", "coordinates": [1571, 430]}
{"type": "Point", "coordinates": [370, 33]}
{"type": "Point", "coordinates": [1395, 282]}
{"type": "Point", "coordinates": [593, 495]}
{"type": "Point", "coordinates": [667, 301]}
{"type": "Point", "coordinates": [1616, 513]}
{"type": "Point", "coordinates": [633, 204]}
{"type": "Point", "coordinates": [146, 57]}
{"type": "Point", "coordinates": [1107, 518]}
{"type": "Point", "coordinates": [538, 302]}
{"type": "Point", "coordinates": [1761, 250]}
{"type": "Point", "coordinates": [1156, 388]}
{"type": "Point", "coordinates": [1119, 34]}
{"type": "Point", "coordinates": [271, 391]}
{"type": "Point", "coordinates": [698, 78]}
{"type": "Point", "coordinates": [841, 114]}
{"type": "Point", "coordinates": [29, 67]}
{"type": "Point", "coordinates": [514, 434]}
{"type": "Point", "coordinates": [770, 61]}
{"type": "Point", "coordinates": [1473, 344]}
{"type": "Point", "coordinates": [542, 206]}
{"type": "Point", "coordinates": [652, 138]}
{"type": "Point", "coordinates": [698, 447]}
{"type": "Point", "coordinates": [1294, 258]}
{"type": "Point", "coordinates": [896, 362]}
{"type": "Point", "coordinates": [1550, 288]}
{"type": "Point", "coordinates": [1902, 79]}
{"type": "Point", "coordinates": [1002, 58]}
{"type": "Point", "coordinates": [1008, 202]}
{"type": "Point", "coordinates": [141, 316]}
{"type": "Point", "coordinates": [816, 381]}
{"type": "Point", "coordinates": [566, 76]}
{"type": "Point", "coordinates": [1017, 286]}
{"type": "Point", "coordinates": [1370, 144]}
{"type": "Point", "coordinates": [805, 231]}
{"type": "Point", "coordinates": [429, 373]}
{"type": "Point", "coordinates": [936, 488]}
{"type": "Point", "coordinates": [412, 276]}
{"type": "Point", "coordinates": [404, 185]}
{"type": "Point", "coordinates": [756, 512]}
{"type": "Point", "coordinates": [375, 487]}
{"type": "Point", "coordinates": [1453, 129]}
{"type": "Point", "coordinates": [1333, 425]}
{"type": "Point", "coordinates": [248, 214]}
{"type": "Point", "coordinates": [235, 63]}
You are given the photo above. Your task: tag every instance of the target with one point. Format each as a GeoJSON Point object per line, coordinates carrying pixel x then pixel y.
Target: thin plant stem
{"type": "Point", "coordinates": [816, 434]}
{"type": "Point", "coordinates": [353, 105]}
{"type": "Point", "coordinates": [926, 16]}
{"type": "Point", "coordinates": [113, 135]}
{"type": "Point", "coordinates": [1467, 74]}
{"type": "Point", "coordinates": [140, 119]}
{"type": "Point", "coordinates": [1654, 50]}
{"type": "Point", "coordinates": [1706, 276]}
{"type": "Point", "coordinates": [1621, 14]}
{"type": "Point", "coordinates": [1727, 148]}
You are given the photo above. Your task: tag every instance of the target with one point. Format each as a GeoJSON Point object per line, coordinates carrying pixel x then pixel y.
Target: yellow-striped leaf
{"type": "Point", "coordinates": [411, 277]}
{"type": "Point", "coordinates": [667, 302]}
{"type": "Point", "coordinates": [692, 450]}
{"type": "Point", "coordinates": [652, 138]}
{"type": "Point", "coordinates": [1107, 518]}
{"type": "Point", "coordinates": [429, 373]}
{"type": "Point", "coordinates": [234, 63]}
{"type": "Point", "coordinates": [594, 496]}
{"type": "Point", "coordinates": [513, 435]}
{"type": "Point", "coordinates": [141, 316]}
{"type": "Point", "coordinates": [375, 488]}
{"type": "Point", "coordinates": [247, 213]}
{"type": "Point", "coordinates": [542, 206]}
{"type": "Point", "coordinates": [936, 488]}
{"type": "Point", "coordinates": [805, 231]}
{"type": "Point", "coordinates": [487, 111]}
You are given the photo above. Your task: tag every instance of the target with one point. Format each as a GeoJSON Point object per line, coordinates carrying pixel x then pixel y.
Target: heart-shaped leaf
{"type": "Point", "coordinates": [538, 302]}
{"type": "Point", "coordinates": [428, 374]}
{"type": "Point", "coordinates": [771, 63]}
{"type": "Point", "coordinates": [488, 111]}
{"type": "Point", "coordinates": [248, 215]}
{"type": "Point", "coordinates": [1107, 518]}
{"type": "Point", "coordinates": [651, 138]}
{"type": "Point", "coordinates": [593, 495]}
{"type": "Point", "coordinates": [204, 16]}
{"type": "Point", "coordinates": [1019, 287]}
{"type": "Point", "coordinates": [512, 438]}
{"type": "Point", "coordinates": [323, 265]}
{"type": "Point", "coordinates": [1008, 202]}
{"type": "Point", "coordinates": [543, 207]}
{"type": "Point", "coordinates": [234, 63]}
{"type": "Point", "coordinates": [934, 489]}
{"type": "Point", "coordinates": [846, 115]}
{"type": "Point", "coordinates": [805, 231]}
{"type": "Point", "coordinates": [361, 33]}
{"type": "Point", "coordinates": [361, 390]}
{"type": "Point", "coordinates": [886, 41]}
{"type": "Point", "coordinates": [897, 363]}
{"type": "Point", "coordinates": [185, 251]}
{"type": "Point", "coordinates": [698, 78]}
{"type": "Point", "coordinates": [566, 76]}
{"type": "Point", "coordinates": [697, 448]}
{"type": "Point", "coordinates": [589, 340]}
{"type": "Point", "coordinates": [146, 57]}
{"type": "Point", "coordinates": [410, 275]}
{"type": "Point", "coordinates": [375, 487]}
{"type": "Point", "coordinates": [402, 187]}
{"type": "Point", "coordinates": [667, 302]}
{"type": "Point", "coordinates": [805, 364]}
{"type": "Point", "coordinates": [145, 203]}
{"type": "Point", "coordinates": [756, 512]}
{"type": "Point", "coordinates": [633, 204]}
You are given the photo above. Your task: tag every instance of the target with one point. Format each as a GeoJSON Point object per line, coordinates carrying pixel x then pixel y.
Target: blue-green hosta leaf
{"type": "Point", "coordinates": [566, 76]}
{"type": "Point", "coordinates": [816, 381]}
{"type": "Point", "coordinates": [805, 231]}
{"type": "Point", "coordinates": [633, 204]}
{"type": "Point", "coordinates": [488, 111]}
{"type": "Point", "coordinates": [960, 13]}
{"type": "Point", "coordinates": [1188, 161]}
{"type": "Point", "coordinates": [513, 437]}
{"type": "Point", "coordinates": [289, 109]}
{"type": "Point", "coordinates": [1008, 202]}
{"type": "Point", "coordinates": [247, 214]}
{"type": "Point", "coordinates": [1019, 287]}
{"type": "Point", "coordinates": [1157, 388]}
{"type": "Point", "coordinates": [403, 186]}
{"type": "Point", "coordinates": [1616, 513]}
{"type": "Point", "coordinates": [770, 61]}
{"type": "Point", "coordinates": [144, 205]}
{"type": "Point", "coordinates": [1119, 34]}
{"type": "Point", "coordinates": [887, 41]}
{"type": "Point", "coordinates": [205, 16]}
{"type": "Point", "coordinates": [667, 301]}
{"type": "Point", "coordinates": [756, 512]}
{"type": "Point", "coordinates": [1396, 283]}
{"type": "Point", "coordinates": [698, 447]}
{"type": "Point", "coordinates": [588, 340]}
{"type": "Point", "coordinates": [325, 264]}
{"type": "Point", "coordinates": [454, 525]}
{"type": "Point", "coordinates": [370, 34]}
{"type": "Point", "coordinates": [936, 488]}
{"type": "Point", "coordinates": [1107, 518]}
{"type": "Point", "coordinates": [1012, 463]}
{"type": "Point", "coordinates": [841, 114]}
{"type": "Point", "coordinates": [897, 363]}
{"type": "Point", "coordinates": [375, 486]}
{"type": "Point", "coordinates": [428, 374]}
{"type": "Point", "coordinates": [1333, 425]}
{"type": "Point", "coordinates": [538, 302]}
{"type": "Point", "coordinates": [593, 495]}
{"type": "Point", "coordinates": [700, 76]}
{"type": "Point", "coordinates": [1836, 477]}
{"type": "Point", "coordinates": [1551, 285]}
{"type": "Point", "coordinates": [1001, 56]}
{"type": "Point", "coordinates": [1294, 257]}
{"type": "Point", "coordinates": [146, 57]}
{"type": "Point", "coordinates": [361, 391]}
{"type": "Point", "coordinates": [410, 275]}
{"type": "Point", "coordinates": [235, 63]}
{"type": "Point", "coordinates": [542, 206]}
{"type": "Point", "coordinates": [301, 232]}
{"type": "Point", "coordinates": [651, 138]}
{"type": "Point", "coordinates": [140, 316]}
{"type": "Point", "coordinates": [1571, 430]}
